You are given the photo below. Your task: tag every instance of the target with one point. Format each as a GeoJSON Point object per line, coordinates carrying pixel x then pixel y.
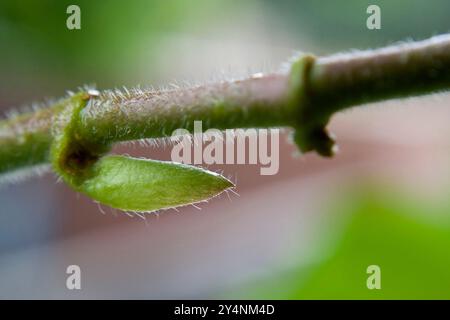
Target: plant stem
{"type": "Point", "coordinates": [253, 102]}
{"type": "Point", "coordinates": [303, 98]}
{"type": "Point", "coordinates": [405, 69]}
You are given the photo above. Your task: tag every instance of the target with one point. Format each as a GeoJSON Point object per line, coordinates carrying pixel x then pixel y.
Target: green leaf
{"type": "Point", "coordinates": [143, 185]}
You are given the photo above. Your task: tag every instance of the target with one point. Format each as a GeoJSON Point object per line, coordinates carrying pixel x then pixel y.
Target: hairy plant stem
{"type": "Point", "coordinates": [303, 98]}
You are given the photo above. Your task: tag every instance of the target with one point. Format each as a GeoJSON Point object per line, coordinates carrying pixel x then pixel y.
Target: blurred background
{"type": "Point", "coordinates": [308, 232]}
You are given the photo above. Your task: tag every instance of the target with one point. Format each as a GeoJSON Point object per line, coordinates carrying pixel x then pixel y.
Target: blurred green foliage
{"type": "Point", "coordinates": [38, 44]}
{"type": "Point", "coordinates": [341, 24]}
{"type": "Point", "coordinates": [40, 57]}
{"type": "Point", "coordinates": [35, 40]}
{"type": "Point", "coordinates": [407, 238]}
